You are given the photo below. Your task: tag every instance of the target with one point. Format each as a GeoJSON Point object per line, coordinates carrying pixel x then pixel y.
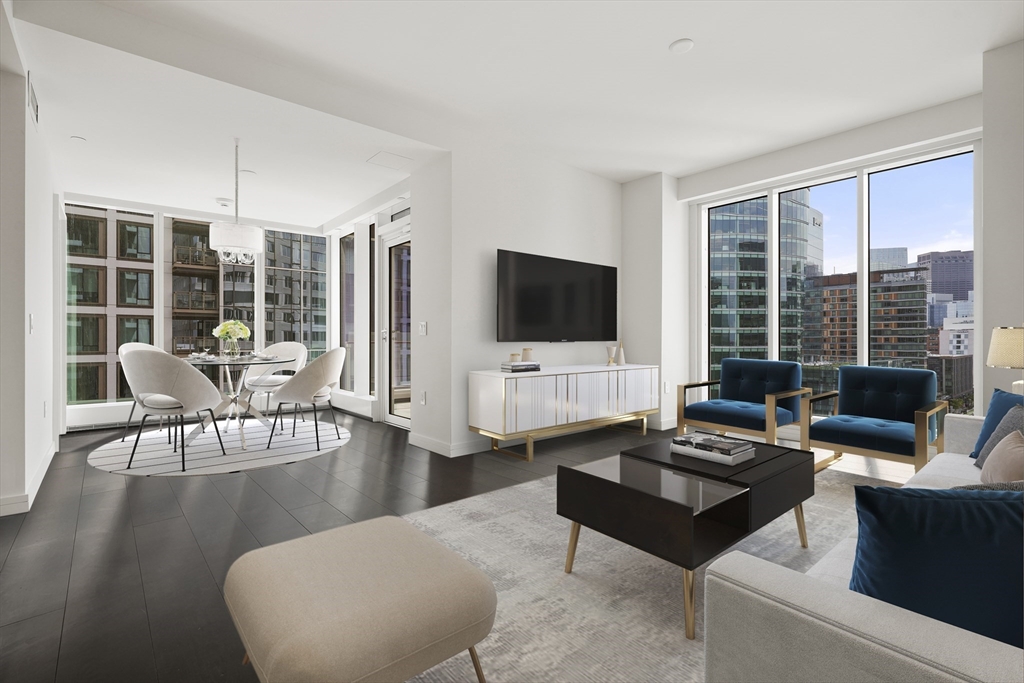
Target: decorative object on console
{"type": "Point", "coordinates": [513, 358]}
{"type": "Point", "coordinates": [230, 331]}
{"type": "Point", "coordinates": [620, 356]}
{"type": "Point", "coordinates": [520, 366]}
{"type": "Point", "coordinates": [1006, 350]}
{"type": "Point", "coordinates": [998, 407]}
{"type": "Point", "coordinates": [1013, 421]}
{"type": "Point", "coordinates": [235, 242]}
{"type": "Point", "coordinates": [1005, 462]}
{"type": "Point", "coordinates": [611, 354]}
{"type": "Point", "coordinates": [914, 544]}
{"type": "Point", "coordinates": [527, 354]}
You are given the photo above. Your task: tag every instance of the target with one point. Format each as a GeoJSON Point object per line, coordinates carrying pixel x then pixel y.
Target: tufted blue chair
{"type": "Point", "coordinates": [755, 397]}
{"type": "Point", "coordinates": [887, 413]}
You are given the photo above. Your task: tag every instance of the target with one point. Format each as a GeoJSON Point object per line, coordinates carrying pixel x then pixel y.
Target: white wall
{"type": "Point", "coordinates": [27, 436]}
{"type": "Point", "coordinates": [1002, 291]}
{"type": "Point", "coordinates": [507, 198]}
{"type": "Point", "coordinates": [431, 190]}
{"type": "Point", "coordinates": [652, 285]}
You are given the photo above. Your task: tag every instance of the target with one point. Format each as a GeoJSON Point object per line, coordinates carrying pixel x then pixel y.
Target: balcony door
{"type": "Point", "coordinates": [396, 329]}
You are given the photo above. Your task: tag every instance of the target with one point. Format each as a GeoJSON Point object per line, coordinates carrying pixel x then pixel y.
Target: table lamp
{"type": "Point", "coordinates": [1006, 350]}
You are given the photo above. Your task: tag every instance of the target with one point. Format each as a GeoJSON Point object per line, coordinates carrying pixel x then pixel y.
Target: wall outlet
{"type": "Point", "coordinates": [423, 398]}
{"type": "Point", "coordinates": [423, 329]}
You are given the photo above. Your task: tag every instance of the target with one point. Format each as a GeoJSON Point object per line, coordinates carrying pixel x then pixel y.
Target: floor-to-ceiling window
{"type": "Point", "coordinates": [295, 290]}
{"type": "Point", "coordinates": [738, 267]}
{"type": "Point", "coordinates": [818, 281]}
{"type": "Point", "coordinates": [916, 227]}
{"type": "Point", "coordinates": [347, 285]}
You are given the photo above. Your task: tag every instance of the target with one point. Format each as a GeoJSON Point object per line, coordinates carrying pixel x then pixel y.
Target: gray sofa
{"type": "Point", "coordinates": [764, 622]}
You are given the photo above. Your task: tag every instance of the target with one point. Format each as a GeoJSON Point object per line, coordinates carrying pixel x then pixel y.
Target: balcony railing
{"type": "Point", "coordinates": [194, 256]}
{"type": "Point", "coordinates": [184, 345]}
{"type": "Point", "coordinates": [195, 301]}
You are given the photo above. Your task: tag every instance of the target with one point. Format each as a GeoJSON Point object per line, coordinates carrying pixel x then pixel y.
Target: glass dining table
{"type": "Point", "coordinates": [234, 403]}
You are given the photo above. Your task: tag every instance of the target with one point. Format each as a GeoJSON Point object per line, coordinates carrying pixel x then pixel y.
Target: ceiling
{"type": "Point", "coordinates": [590, 83]}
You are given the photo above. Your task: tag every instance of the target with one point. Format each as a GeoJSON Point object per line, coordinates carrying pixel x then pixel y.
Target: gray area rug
{"type": "Point", "coordinates": [619, 615]}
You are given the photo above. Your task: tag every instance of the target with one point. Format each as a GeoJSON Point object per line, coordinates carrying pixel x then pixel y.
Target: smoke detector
{"type": "Point", "coordinates": [224, 201]}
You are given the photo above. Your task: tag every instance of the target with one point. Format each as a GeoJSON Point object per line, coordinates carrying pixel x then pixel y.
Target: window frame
{"type": "Point", "coordinates": [117, 284]}
{"type": "Point", "coordinates": [102, 317]}
{"type": "Point", "coordinates": [102, 255]}
{"type": "Point", "coordinates": [102, 285]}
{"type": "Point", "coordinates": [138, 224]}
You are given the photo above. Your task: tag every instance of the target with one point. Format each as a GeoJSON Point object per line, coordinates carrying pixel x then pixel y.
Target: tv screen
{"type": "Point", "coordinates": [551, 299]}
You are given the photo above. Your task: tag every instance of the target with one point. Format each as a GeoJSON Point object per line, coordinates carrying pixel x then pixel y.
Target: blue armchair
{"type": "Point", "coordinates": [886, 413]}
{"type": "Point", "coordinates": [755, 397]}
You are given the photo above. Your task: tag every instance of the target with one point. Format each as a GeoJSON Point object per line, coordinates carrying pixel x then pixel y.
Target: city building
{"type": "Point", "coordinates": [938, 308]}
{"type": "Point", "coordinates": [949, 272]}
{"type": "Point", "coordinates": [956, 338]}
{"type": "Point", "coordinates": [955, 374]}
{"type": "Point", "coordinates": [888, 258]}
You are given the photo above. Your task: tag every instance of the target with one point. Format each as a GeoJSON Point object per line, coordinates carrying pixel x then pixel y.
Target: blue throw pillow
{"type": "Point", "coordinates": [998, 407]}
{"type": "Point", "coordinates": [955, 556]}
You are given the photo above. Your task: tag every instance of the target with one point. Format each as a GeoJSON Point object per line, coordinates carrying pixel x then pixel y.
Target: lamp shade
{"type": "Point", "coordinates": [1006, 350]}
{"type": "Point", "coordinates": [236, 237]}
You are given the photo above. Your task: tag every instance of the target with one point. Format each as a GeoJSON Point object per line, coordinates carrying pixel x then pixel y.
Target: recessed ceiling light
{"type": "Point", "coordinates": [246, 170]}
{"type": "Point", "coordinates": [79, 138]}
{"type": "Point", "coordinates": [224, 201]}
{"type": "Point", "coordinates": [682, 45]}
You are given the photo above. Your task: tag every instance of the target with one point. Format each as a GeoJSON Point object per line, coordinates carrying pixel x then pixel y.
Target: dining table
{"type": "Point", "coordinates": [234, 404]}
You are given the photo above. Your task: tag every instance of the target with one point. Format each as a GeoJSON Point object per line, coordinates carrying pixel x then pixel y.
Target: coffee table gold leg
{"type": "Point", "coordinates": [574, 536]}
{"type": "Point", "coordinates": [688, 605]}
{"type": "Point", "coordinates": [799, 512]}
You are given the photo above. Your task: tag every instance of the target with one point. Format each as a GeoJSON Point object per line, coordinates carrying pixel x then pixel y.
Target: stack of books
{"type": "Point", "coordinates": [720, 449]}
{"type": "Point", "coordinates": [520, 366]}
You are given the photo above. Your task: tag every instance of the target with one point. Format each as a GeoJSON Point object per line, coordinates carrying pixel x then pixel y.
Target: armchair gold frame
{"type": "Point", "coordinates": [770, 414]}
{"type": "Point", "coordinates": [920, 457]}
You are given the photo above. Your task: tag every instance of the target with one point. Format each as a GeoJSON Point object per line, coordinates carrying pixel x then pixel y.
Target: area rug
{"type": "Point", "coordinates": [156, 458]}
{"type": "Point", "coordinates": [619, 615]}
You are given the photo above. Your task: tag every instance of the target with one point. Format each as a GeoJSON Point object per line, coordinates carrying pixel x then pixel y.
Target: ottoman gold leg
{"type": "Point", "coordinates": [688, 606]}
{"type": "Point", "coordinates": [799, 512]}
{"type": "Point", "coordinates": [574, 536]}
{"type": "Point", "coordinates": [476, 665]}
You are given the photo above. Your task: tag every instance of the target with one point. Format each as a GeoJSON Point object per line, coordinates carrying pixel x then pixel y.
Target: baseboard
{"type": "Point", "coordinates": [22, 502]}
{"type": "Point", "coordinates": [453, 450]}
{"type": "Point", "coordinates": [661, 424]}
{"type": "Point", "coordinates": [14, 505]}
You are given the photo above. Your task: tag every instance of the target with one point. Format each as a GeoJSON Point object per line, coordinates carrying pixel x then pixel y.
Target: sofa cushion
{"type": "Point", "coordinates": [945, 471]}
{"type": "Point", "coordinates": [888, 436]}
{"type": "Point", "coordinates": [1013, 421]}
{"type": "Point", "coordinates": [1000, 404]}
{"type": "Point", "coordinates": [741, 414]}
{"type": "Point", "coordinates": [1006, 461]}
{"type": "Point", "coordinates": [954, 556]}
{"type": "Point", "coordinates": [749, 379]}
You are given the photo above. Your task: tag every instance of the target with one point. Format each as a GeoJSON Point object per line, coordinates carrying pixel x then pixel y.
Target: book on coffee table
{"type": "Point", "coordinates": [712, 456]}
{"type": "Point", "coordinates": [713, 442]}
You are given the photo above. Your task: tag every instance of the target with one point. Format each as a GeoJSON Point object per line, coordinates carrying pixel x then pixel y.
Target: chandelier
{"type": "Point", "coordinates": [236, 242]}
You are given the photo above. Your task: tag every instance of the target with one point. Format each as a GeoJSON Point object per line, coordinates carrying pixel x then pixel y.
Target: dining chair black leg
{"type": "Point", "coordinates": [330, 409]}
{"type": "Point", "coordinates": [316, 427]}
{"type": "Point", "coordinates": [141, 425]}
{"type": "Point", "coordinates": [182, 442]}
{"type": "Point", "coordinates": [217, 429]}
{"type": "Point", "coordinates": [175, 432]}
{"type": "Point", "coordinates": [126, 424]}
{"type": "Point", "coordinates": [295, 417]}
{"type": "Point", "coordinates": [168, 428]}
{"type": "Point", "coordinates": [273, 428]}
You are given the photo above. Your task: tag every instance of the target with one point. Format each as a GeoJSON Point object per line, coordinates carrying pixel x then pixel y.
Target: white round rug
{"type": "Point", "coordinates": [155, 457]}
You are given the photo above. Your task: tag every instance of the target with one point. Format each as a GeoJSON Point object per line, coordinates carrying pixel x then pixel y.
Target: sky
{"type": "Point", "coordinates": [924, 207]}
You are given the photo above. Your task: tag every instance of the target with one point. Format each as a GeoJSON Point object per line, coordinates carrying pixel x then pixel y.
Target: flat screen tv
{"type": "Point", "coordinates": [554, 300]}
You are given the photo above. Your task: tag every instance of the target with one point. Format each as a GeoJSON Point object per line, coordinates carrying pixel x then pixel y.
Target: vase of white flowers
{"type": "Point", "coordinates": [230, 331]}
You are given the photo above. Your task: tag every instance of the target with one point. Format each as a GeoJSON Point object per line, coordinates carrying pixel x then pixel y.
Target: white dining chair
{"type": "Point", "coordinates": [312, 384]}
{"type": "Point", "coordinates": [128, 347]}
{"type": "Point", "coordinates": [263, 379]}
{"type": "Point", "coordinates": [168, 386]}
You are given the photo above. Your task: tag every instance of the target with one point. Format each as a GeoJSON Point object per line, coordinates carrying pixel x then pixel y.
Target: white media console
{"type": "Point", "coordinates": [558, 400]}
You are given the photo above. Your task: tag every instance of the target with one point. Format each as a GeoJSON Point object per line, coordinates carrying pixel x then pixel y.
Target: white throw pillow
{"type": "Point", "coordinates": [1006, 461]}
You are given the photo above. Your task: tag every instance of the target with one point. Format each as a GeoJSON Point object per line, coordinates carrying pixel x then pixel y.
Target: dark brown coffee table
{"type": "Point", "coordinates": [682, 509]}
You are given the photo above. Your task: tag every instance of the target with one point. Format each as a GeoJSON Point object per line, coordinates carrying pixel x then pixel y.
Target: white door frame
{"type": "Point", "coordinates": [389, 236]}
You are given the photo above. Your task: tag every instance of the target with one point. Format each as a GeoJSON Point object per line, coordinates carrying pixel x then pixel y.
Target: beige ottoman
{"type": "Point", "coordinates": [374, 601]}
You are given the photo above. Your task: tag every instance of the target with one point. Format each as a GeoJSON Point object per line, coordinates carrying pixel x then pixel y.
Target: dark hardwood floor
{"type": "Point", "coordinates": [115, 578]}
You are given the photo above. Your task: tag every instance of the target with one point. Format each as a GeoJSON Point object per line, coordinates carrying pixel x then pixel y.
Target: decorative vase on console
{"type": "Point", "coordinates": [620, 357]}
{"type": "Point", "coordinates": [611, 353]}
{"type": "Point", "coordinates": [230, 331]}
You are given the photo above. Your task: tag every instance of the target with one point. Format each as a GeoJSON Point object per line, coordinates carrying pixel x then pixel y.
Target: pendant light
{"type": "Point", "coordinates": [236, 243]}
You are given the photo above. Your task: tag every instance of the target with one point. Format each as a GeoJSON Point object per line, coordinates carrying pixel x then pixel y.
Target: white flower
{"type": "Point", "coordinates": [231, 329]}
